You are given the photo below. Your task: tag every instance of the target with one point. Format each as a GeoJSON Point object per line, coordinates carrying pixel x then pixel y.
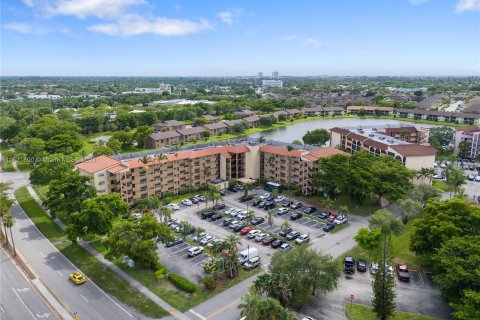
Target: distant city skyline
{"type": "Point", "coordinates": [240, 38]}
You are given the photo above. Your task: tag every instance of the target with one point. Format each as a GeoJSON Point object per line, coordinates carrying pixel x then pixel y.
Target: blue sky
{"type": "Point", "coordinates": [225, 38]}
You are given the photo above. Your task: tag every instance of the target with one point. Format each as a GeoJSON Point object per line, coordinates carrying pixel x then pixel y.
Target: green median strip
{"type": "Point", "coordinates": [362, 312]}
{"type": "Point", "coordinates": [88, 264]}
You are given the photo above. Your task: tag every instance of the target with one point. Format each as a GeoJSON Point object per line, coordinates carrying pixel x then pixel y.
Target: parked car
{"type": "Point", "coordinates": [302, 238]}
{"type": "Point", "coordinates": [402, 272]}
{"type": "Point", "coordinates": [252, 263]}
{"type": "Point", "coordinates": [216, 216]}
{"type": "Point", "coordinates": [437, 176]}
{"type": "Point", "coordinates": [270, 198]}
{"type": "Point", "coordinates": [174, 242]}
{"type": "Point", "coordinates": [200, 197]}
{"type": "Point", "coordinates": [186, 202]}
{"type": "Point", "coordinates": [286, 247]}
{"type": "Point", "coordinates": [173, 221]}
{"type": "Point", "coordinates": [269, 206]}
{"type": "Point", "coordinates": [207, 215]}
{"type": "Point", "coordinates": [296, 216]}
{"type": "Point", "coordinates": [293, 235]}
{"type": "Point", "coordinates": [349, 265]}
{"type": "Point", "coordinates": [194, 200]}
{"type": "Point", "coordinates": [245, 230]}
{"type": "Point", "coordinates": [268, 240]}
{"type": "Point", "coordinates": [174, 206]}
{"type": "Point", "coordinates": [328, 227]}
{"type": "Point", "coordinates": [309, 210]}
{"type": "Point", "coordinates": [373, 268]}
{"type": "Point", "coordinates": [259, 237]}
{"type": "Point", "coordinates": [256, 202]}
{"type": "Point", "coordinates": [471, 177]}
{"type": "Point", "coordinates": [265, 196]}
{"type": "Point", "coordinates": [219, 206]}
{"type": "Point", "coordinates": [257, 220]}
{"type": "Point", "coordinates": [194, 251]}
{"type": "Point", "coordinates": [279, 199]}
{"type": "Point", "coordinates": [200, 236]}
{"type": "Point", "coordinates": [283, 233]}
{"type": "Point", "coordinates": [332, 217]}
{"type": "Point", "coordinates": [286, 203]}
{"type": "Point", "coordinates": [206, 240]}
{"type": "Point", "coordinates": [227, 221]}
{"type": "Point", "coordinates": [252, 234]}
{"type": "Point", "coordinates": [238, 227]}
{"type": "Point", "coordinates": [296, 205]}
{"type": "Point", "coordinates": [245, 198]}
{"type": "Point", "coordinates": [340, 220]}
{"type": "Point", "coordinates": [262, 204]}
{"type": "Point", "coordinates": [223, 192]}
{"type": "Point", "coordinates": [322, 215]}
{"type": "Point", "coordinates": [137, 215]}
{"type": "Point", "coordinates": [282, 211]}
{"type": "Point", "coordinates": [361, 265]}
{"type": "Point", "coordinates": [477, 178]}
{"type": "Point", "coordinates": [277, 243]}
{"type": "Point", "coordinates": [232, 189]}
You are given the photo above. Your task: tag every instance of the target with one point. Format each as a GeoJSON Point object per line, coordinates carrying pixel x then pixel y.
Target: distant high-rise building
{"type": "Point", "coordinates": [272, 83]}
{"type": "Point", "coordinates": [275, 75]}
{"type": "Point", "coordinates": [260, 74]}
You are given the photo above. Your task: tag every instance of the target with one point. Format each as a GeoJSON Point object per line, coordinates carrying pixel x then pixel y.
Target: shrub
{"type": "Point", "coordinates": [182, 283]}
{"type": "Point", "coordinates": [160, 273]}
{"type": "Point", "coordinates": [209, 282]}
{"type": "Point", "coordinates": [183, 191]}
{"type": "Point", "coordinates": [210, 265]}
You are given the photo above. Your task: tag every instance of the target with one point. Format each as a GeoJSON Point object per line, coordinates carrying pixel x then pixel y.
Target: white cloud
{"type": "Point", "coordinates": [226, 17]}
{"type": "Point", "coordinates": [417, 2]}
{"type": "Point", "coordinates": [29, 3]}
{"type": "Point", "coordinates": [468, 5]}
{"type": "Point", "coordinates": [19, 27]}
{"type": "Point", "coordinates": [87, 8]}
{"type": "Point", "coordinates": [314, 42]}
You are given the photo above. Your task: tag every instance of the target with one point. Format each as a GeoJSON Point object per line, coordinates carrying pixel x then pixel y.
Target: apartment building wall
{"type": "Point", "coordinates": [252, 163]}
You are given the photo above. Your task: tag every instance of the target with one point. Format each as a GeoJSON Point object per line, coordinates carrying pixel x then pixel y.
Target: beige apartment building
{"type": "Point", "coordinates": [163, 139]}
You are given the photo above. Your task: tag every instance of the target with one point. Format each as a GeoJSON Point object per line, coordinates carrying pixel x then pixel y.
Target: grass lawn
{"type": "Point", "coordinates": [24, 166]}
{"type": "Point", "coordinates": [110, 282]}
{"type": "Point", "coordinates": [166, 291]}
{"type": "Point", "coordinates": [36, 213]}
{"type": "Point", "coordinates": [441, 185]}
{"type": "Point", "coordinates": [7, 166]}
{"type": "Point", "coordinates": [361, 312]}
{"type": "Point", "coordinates": [366, 209]}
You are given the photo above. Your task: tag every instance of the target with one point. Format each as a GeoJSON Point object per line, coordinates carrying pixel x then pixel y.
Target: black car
{"type": "Point", "coordinates": [226, 221]}
{"type": "Point", "coordinates": [361, 265]}
{"type": "Point", "coordinates": [349, 265]}
{"type": "Point", "coordinates": [176, 241]}
{"type": "Point", "coordinates": [293, 235]}
{"type": "Point", "coordinates": [245, 198]}
{"type": "Point", "coordinates": [216, 217]}
{"type": "Point", "coordinates": [232, 189]}
{"type": "Point", "coordinates": [222, 192]}
{"type": "Point", "coordinates": [296, 205]}
{"type": "Point", "coordinates": [277, 243]}
{"type": "Point", "coordinates": [309, 210]}
{"type": "Point", "coordinates": [219, 206]}
{"type": "Point", "coordinates": [269, 206]}
{"type": "Point", "coordinates": [284, 232]}
{"type": "Point", "coordinates": [194, 200]}
{"type": "Point", "coordinates": [238, 227]}
{"type": "Point", "coordinates": [256, 202]}
{"type": "Point", "coordinates": [296, 216]}
{"type": "Point", "coordinates": [207, 215]}
{"type": "Point", "coordinates": [328, 227]}
{"type": "Point", "coordinates": [322, 215]}
{"type": "Point", "coordinates": [257, 221]}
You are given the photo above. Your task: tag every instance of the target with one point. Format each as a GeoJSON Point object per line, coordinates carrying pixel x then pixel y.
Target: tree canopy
{"type": "Point", "coordinates": [317, 137]}
{"type": "Point", "coordinates": [51, 168]}
{"type": "Point", "coordinates": [442, 139]}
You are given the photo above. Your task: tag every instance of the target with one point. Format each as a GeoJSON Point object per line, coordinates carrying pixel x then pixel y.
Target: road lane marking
{"type": "Point", "coordinates": [42, 255]}
{"type": "Point", "coordinates": [22, 289]}
{"type": "Point", "coordinates": [197, 314]}
{"type": "Point", "coordinates": [23, 303]}
{"type": "Point", "coordinates": [61, 275]}
{"type": "Point", "coordinates": [1, 308]}
{"type": "Point", "coordinates": [81, 295]}
{"type": "Point", "coordinates": [96, 286]}
{"type": "Point", "coordinates": [43, 315]}
{"type": "Point", "coordinates": [222, 308]}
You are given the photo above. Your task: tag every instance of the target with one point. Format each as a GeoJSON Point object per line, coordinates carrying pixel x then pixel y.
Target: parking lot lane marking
{"type": "Point", "coordinates": [61, 275]}
{"type": "Point", "coordinates": [214, 313]}
{"type": "Point", "coordinates": [421, 277]}
{"type": "Point", "coordinates": [182, 249]}
{"type": "Point", "coordinates": [314, 225]}
{"type": "Point", "coordinates": [23, 303]}
{"type": "Point", "coordinates": [83, 297]}
{"type": "Point", "coordinates": [42, 255]}
{"type": "Point", "coordinates": [197, 314]}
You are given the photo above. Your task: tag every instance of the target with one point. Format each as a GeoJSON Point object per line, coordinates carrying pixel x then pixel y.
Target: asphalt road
{"type": "Point", "coordinates": [18, 298]}
{"type": "Point", "coordinates": [87, 299]}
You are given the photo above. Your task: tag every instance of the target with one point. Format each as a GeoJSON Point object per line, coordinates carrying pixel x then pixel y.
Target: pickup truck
{"type": "Point", "coordinates": [402, 273]}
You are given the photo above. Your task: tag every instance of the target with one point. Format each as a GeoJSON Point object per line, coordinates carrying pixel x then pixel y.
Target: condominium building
{"type": "Point", "coordinates": [471, 134]}
{"type": "Point", "coordinates": [169, 125]}
{"type": "Point", "coordinates": [411, 134]}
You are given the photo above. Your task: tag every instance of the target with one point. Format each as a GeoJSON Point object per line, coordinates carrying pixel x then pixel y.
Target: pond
{"type": "Point", "coordinates": [298, 130]}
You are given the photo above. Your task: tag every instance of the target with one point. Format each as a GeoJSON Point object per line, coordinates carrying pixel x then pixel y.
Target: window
{"type": "Point", "coordinates": [101, 183]}
{"type": "Point", "coordinates": [101, 174]}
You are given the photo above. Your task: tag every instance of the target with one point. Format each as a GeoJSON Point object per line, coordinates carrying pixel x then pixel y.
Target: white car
{"type": "Point", "coordinates": [194, 251]}
{"type": "Point", "coordinates": [265, 196]}
{"type": "Point", "coordinates": [137, 215]}
{"type": "Point", "coordinates": [477, 178]}
{"type": "Point", "coordinates": [174, 206]}
{"type": "Point", "coordinates": [279, 199]}
{"type": "Point", "coordinates": [259, 237]}
{"type": "Point", "coordinates": [200, 197]}
{"type": "Point", "coordinates": [443, 165]}
{"type": "Point", "coordinates": [302, 238]}
{"type": "Point", "coordinates": [207, 239]}
{"type": "Point", "coordinates": [229, 211]}
{"type": "Point", "coordinates": [186, 202]}
{"type": "Point", "coordinates": [282, 211]}
{"type": "Point", "coordinates": [235, 223]}
{"type": "Point", "coordinates": [241, 216]}
{"type": "Point", "coordinates": [340, 220]}
{"type": "Point", "coordinates": [252, 234]}
{"type": "Point", "coordinates": [200, 236]}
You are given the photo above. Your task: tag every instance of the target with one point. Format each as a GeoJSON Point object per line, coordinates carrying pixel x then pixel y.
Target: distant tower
{"type": "Point", "coordinates": [260, 74]}
{"type": "Point", "coordinates": [275, 75]}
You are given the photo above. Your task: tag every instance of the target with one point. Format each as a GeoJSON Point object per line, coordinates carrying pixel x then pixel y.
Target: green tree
{"type": "Point", "coordinates": [298, 142]}
{"type": "Point", "coordinates": [392, 179]}
{"type": "Point", "coordinates": [33, 148]}
{"type": "Point", "coordinates": [442, 139]}
{"type": "Point", "coordinates": [423, 193]}
{"type": "Point", "coordinates": [125, 138]}
{"type": "Point", "coordinates": [256, 307]}
{"type": "Point", "coordinates": [333, 174]}
{"type": "Point", "coordinates": [5, 204]}
{"type": "Point", "coordinates": [8, 222]}
{"type": "Point", "coordinates": [270, 215]}
{"type": "Point", "coordinates": [409, 208]}
{"type": "Point", "coordinates": [102, 149]}
{"type": "Point", "coordinates": [469, 307]}
{"type": "Point", "coordinates": [49, 126]}
{"type": "Point", "coordinates": [317, 137]}
{"type": "Point", "coordinates": [114, 144]}
{"type": "Point", "coordinates": [185, 228]}
{"type": "Point", "coordinates": [368, 239]}
{"type": "Point", "coordinates": [137, 240]}
{"type": "Point", "coordinates": [52, 167]}
{"type": "Point", "coordinates": [455, 178]}
{"type": "Point", "coordinates": [66, 194]}
{"type": "Point", "coordinates": [424, 173]}
{"type": "Point", "coordinates": [464, 147]}
{"type": "Point", "coordinates": [141, 135]}
{"type": "Point", "coordinates": [442, 221]}
{"type": "Point", "coordinates": [63, 143]}
{"type": "Point", "coordinates": [165, 213]}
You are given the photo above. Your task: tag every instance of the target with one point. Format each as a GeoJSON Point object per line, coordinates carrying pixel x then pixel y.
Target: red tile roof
{"type": "Point", "coordinates": [340, 130]}
{"type": "Point", "coordinates": [375, 144]}
{"type": "Point", "coordinates": [327, 152]}
{"type": "Point", "coordinates": [412, 150]}
{"type": "Point", "coordinates": [281, 151]}
{"type": "Point", "coordinates": [473, 128]}
{"type": "Point", "coordinates": [117, 168]}
{"type": "Point", "coordinates": [97, 164]}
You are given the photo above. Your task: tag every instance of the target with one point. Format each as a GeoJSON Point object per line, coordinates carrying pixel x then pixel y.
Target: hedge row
{"type": "Point", "coordinates": [182, 283]}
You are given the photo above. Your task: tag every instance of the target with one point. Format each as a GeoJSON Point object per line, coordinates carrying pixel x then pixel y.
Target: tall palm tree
{"type": "Point", "coordinates": [8, 222]}
{"type": "Point", "coordinates": [166, 213]}
{"type": "Point", "coordinates": [161, 156]}
{"type": "Point", "coordinates": [246, 188]}
{"type": "Point", "coordinates": [145, 160]}
{"type": "Point", "coordinates": [286, 225]}
{"type": "Point", "coordinates": [270, 214]}
{"type": "Point", "coordinates": [261, 139]}
{"type": "Point", "coordinates": [250, 307]}
{"type": "Point", "coordinates": [343, 210]}
{"type": "Point", "coordinates": [233, 240]}
{"type": "Point", "coordinates": [215, 197]}
{"type": "Point", "coordinates": [327, 203]}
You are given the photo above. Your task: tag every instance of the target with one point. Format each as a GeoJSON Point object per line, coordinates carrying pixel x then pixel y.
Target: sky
{"type": "Point", "coordinates": [240, 38]}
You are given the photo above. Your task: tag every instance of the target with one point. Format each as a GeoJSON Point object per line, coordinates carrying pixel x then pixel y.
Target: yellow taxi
{"type": "Point", "coordinates": [78, 278]}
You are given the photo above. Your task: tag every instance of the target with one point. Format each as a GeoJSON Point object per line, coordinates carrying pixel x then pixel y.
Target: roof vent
{"type": "Point", "coordinates": [381, 138]}
{"type": "Point", "coordinates": [390, 140]}
{"type": "Point", "coordinates": [371, 135]}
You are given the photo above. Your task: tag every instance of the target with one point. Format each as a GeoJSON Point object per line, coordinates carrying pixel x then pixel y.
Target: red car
{"type": "Point", "coordinates": [332, 217]}
{"type": "Point", "coordinates": [402, 272]}
{"type": "Point", "coordinates": [268, 240]}
{"type": "Point", "coordinates": [245, 230]}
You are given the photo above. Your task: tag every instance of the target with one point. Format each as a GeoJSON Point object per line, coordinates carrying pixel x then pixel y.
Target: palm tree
{"type": "Point", "coordinates": [8, 222]}
{"type": "Point", "coordinates": [145, 160]}
{"type": "Point", "coordinates": [327, 203]}
{"type": "Point", "coordinates": [343, 210]}
{"type": "Point", "coordinates": [250, 307]}
{"type": "Point", "coordinates": [233, 240]}
{"type": "Point", "coordinates": [246, 188]}
{"type": "Point", "coordinates": [286, 225]}
{"type": "Point", "coordinates": [215, 197]}
{"type": "Point", "coordinates": [270, 214]}
{"type": "Point", "coordinates": [165, 212]}
{"type": "Point", "coordinates": [161, 156]}
{"type": "Point", "coordinates": [261, 139]}
{"type": "Point", "coordinates": [250, 215]}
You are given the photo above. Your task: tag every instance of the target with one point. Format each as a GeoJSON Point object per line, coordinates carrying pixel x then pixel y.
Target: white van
{"type": "Point", "coordinates": [248, 254]}
{"type": "Point", "coordinates": [252, 263]}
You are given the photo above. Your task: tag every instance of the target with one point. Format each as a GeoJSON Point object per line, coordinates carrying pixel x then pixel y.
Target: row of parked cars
{"type": "Point", "coordinates": [349, 267]}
